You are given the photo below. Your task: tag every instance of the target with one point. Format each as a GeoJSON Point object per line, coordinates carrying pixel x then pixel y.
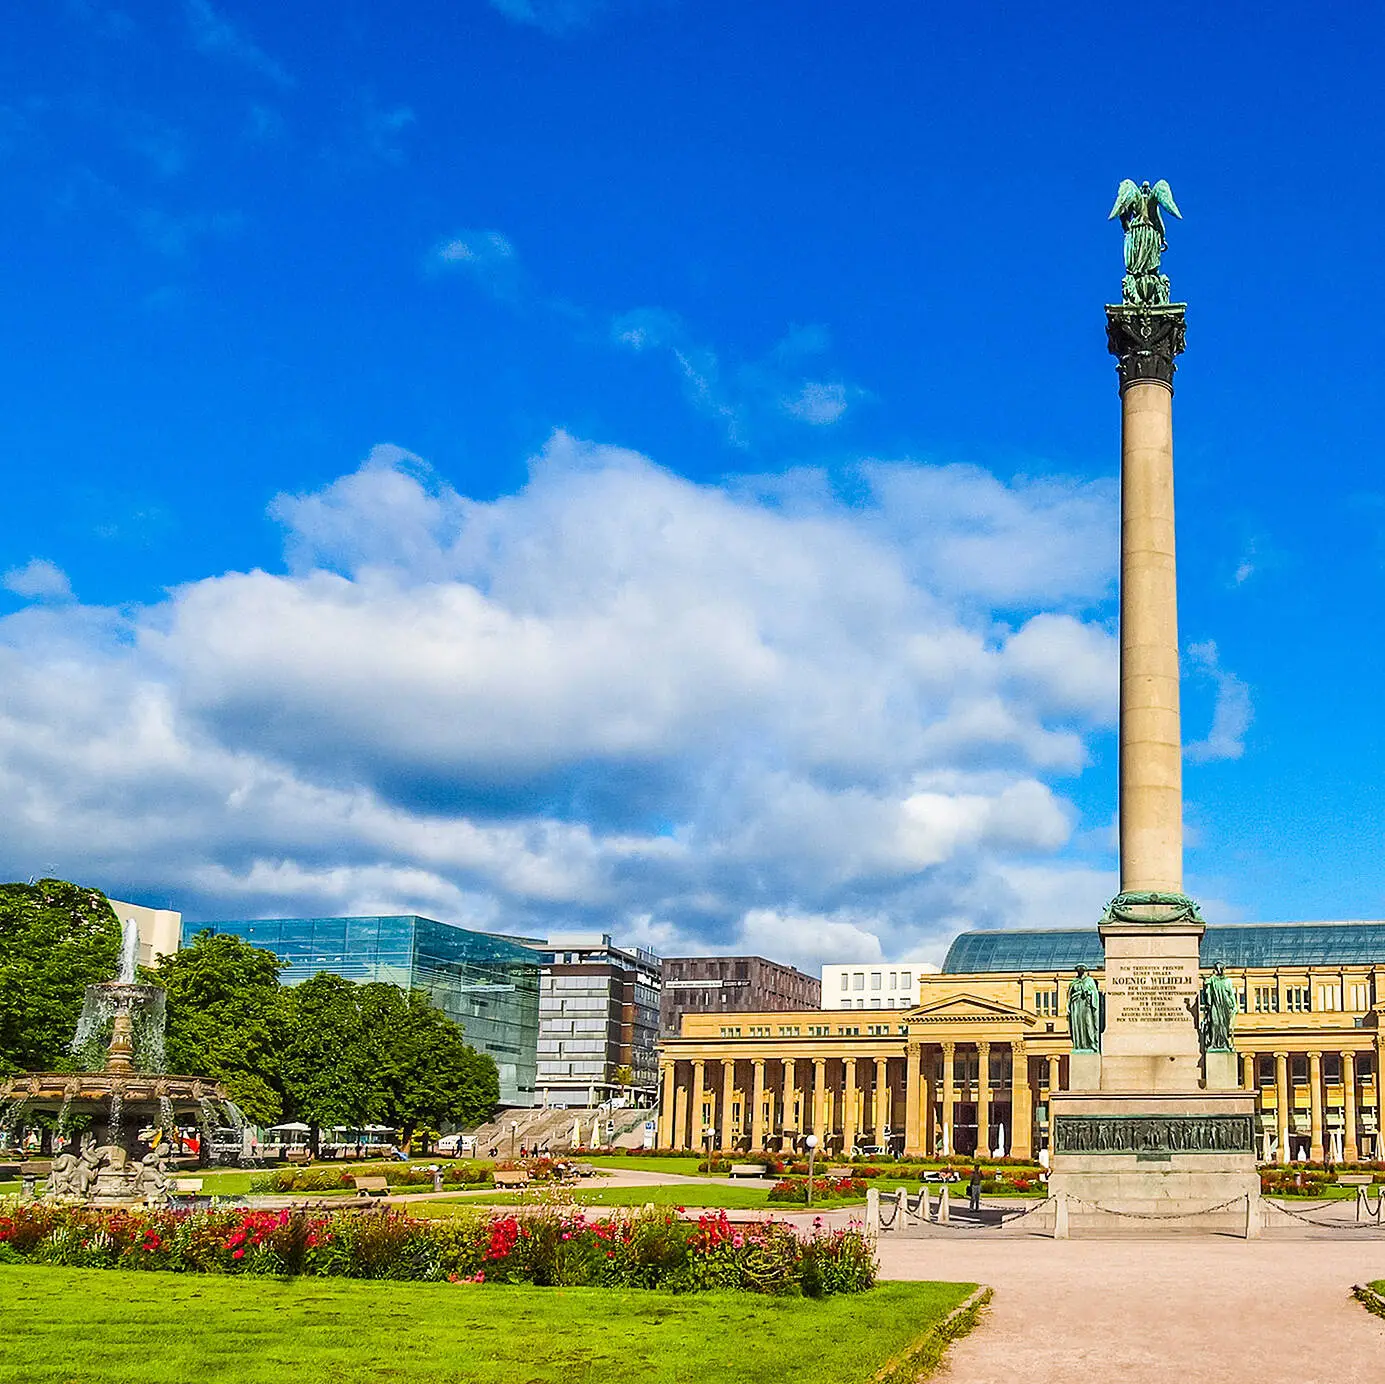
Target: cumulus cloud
{"type": "Point", "coordinates": [1231, 712]}
{"type": "Point", "coordinates": [690, 714]}
{"type": "Point", "coordinates": [38, 580]}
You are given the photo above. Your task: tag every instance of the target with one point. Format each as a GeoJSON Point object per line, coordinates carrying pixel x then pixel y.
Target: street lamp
{"type": "Point", "coordinates": [514, 1129]}
{"type": "Point", "coordinates": [812, 1142]}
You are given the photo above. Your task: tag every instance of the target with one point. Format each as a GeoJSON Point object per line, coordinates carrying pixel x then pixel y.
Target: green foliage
{"type": "Point", "coordinates": [55, 940]}
{"type": "Point", "coordinates": [226, 1019]}
{"type": "Point", "coordinates": [331, 1179]}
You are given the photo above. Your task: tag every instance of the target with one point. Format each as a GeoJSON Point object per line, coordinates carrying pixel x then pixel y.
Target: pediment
{"type": "Point", "coordinates": [968, 1009]}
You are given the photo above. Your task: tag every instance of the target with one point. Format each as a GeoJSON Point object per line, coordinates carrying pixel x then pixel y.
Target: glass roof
{"type": "Point", "coordinates": [1236, 944]}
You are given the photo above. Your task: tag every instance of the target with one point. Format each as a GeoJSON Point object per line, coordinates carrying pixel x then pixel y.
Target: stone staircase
{"type": "Point", "coordinates": [551, 1130]}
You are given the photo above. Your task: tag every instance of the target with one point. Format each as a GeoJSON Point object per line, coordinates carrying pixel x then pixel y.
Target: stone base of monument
{"type": "Point", "coordinates": [1154, 1162]}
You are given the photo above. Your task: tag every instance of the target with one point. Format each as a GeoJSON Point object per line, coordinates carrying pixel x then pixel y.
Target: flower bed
{"type": "Point", "coordinates": [795, 1189]}
{"type": "Point", "coordinates": [283, 1180]}
{"type": "Point", "coordinates": [547, 1247]}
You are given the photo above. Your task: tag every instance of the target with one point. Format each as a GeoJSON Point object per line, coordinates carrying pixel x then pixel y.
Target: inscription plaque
{"type": "Point", "coordinates": [1150, 992]}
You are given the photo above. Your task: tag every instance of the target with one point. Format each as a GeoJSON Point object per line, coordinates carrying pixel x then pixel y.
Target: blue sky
{"type": "Point", "coordinates": [652, 464]}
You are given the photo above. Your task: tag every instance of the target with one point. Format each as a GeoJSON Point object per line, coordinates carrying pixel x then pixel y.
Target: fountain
{"type": "Point", "coordinates": [123, 1091]}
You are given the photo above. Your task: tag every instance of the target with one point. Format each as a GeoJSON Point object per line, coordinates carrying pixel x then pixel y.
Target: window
{"type": "Point", "coordinates": [1266, 999]}
{"type": "Point", "coordinates": [894, 981]}
{"type": "Point", "coordinates": [875, 1004]}
{"type": "Point", "coordinates": [858, 981]}
{"type": "Point", "coordinates": [905, 980]}
{"type": "Point", "coordinates": [1332, 1066]}
{"type": "Point", "coordinates": [818, 1030]}
{"type": "Point", "coordinates": [1296, 999]}
{"type": "Point", "coordinates": [730, 1033]}
{"type": "Point", "coordinates": [853, 1032]}
{"type": "Point", "coordinates": [846, 981]}
{"type": "Point", "coordinates": [788, 1030]}
{"type": "Point", "coordinates": [1327, 997]}
{"type": "Point", "coordinates": [1360, 997]}
{"type": "Point", "coordinates": [875, 980]}
{"type": "Point", "coordinates": [1046, 1003]}
{"type": "Point", "coordinates": [759, 1030]}
{"type": "Point", "coordinates": [877, 1030]}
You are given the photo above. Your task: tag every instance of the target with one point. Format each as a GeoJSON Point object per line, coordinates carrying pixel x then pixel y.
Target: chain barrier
{"type": "Point", "coordinates": [1156, 1215]}
{"type": "Point", "coordinates": [932, 1223]}
{"type": "Point", "coordinates": [1325, 1225]}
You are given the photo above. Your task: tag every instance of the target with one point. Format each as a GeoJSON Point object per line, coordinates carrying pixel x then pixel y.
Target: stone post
{"type": "Point", "coordinates": [1315, 1148]}
{"type": "Point", "coordinates": [911, 1098]}
{"type": "Point", "coordinates": [882, 1088]}
{"type": "Point", "coordinates": [1281, 1103]}
{"type": "Point", "coordinates": [1350, 1151]}
{"type": "Point", "coordinates": [983, 1098]}
{"type": "Point", "coordinates": [1021, 1103]}
{"type": "Point", "coordinates": [699, 1080]}
{"type": "Point", "coordinates": [949, 1095]}
{"type": "Point", "coordinates": [665, 1135]}
{"type": "Point", "coordinates": [755, 1125]}
{"type": "Point", "coordinates": [1150, 812]}
{"type": "Point", "coordinates": [820, 1100]}
{"type": "Point", "coordinates": [728, 1087]}
{"type": "Point", "coordinates": [849, 1107]}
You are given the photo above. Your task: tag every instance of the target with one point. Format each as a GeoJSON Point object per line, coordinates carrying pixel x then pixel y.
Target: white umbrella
{"type": "Point", "coordinates": [596, 1131]}
{"type": "Point", "coordinates": [1000, 1141]}
{"type": "Point", "coordinates": [576, 1138]}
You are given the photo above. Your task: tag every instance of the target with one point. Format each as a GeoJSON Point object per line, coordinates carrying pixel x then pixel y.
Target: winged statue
{"type": "Point", "coordinates": [1138, 209]}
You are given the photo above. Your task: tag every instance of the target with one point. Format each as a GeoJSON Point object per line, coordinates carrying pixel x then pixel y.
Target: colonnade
{"type": "Point", "coordinates": [944, 1097]}
{"type": "Point", "coordinates": [1344, 1103]}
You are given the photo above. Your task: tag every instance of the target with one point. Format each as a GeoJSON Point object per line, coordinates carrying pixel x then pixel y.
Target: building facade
{"type": "Point", "coordinates": [489, 985]}
{"type": "Point", "coordinates": [873, 984]}
{"type": "Point", "coordinates": [160, 929]}
{"type": "Point", "coordinates": [972, 1065]}
{"type": "Point", "coordinates": [712, 985]}
{"type": "Point", "coordinates": [598, 1021]}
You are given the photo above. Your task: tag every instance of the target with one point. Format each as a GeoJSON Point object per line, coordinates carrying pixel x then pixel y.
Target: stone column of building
{"type": "Point", "coordinates": [882, 1088]}
{"type": "Point", "coordinates": [1248, 1070]}
{"type": "Point", "coordinates": [983, 1097]}
{"type": "Point", "coordinates": [849, 1108]}
{"type": "Point", "coordinates": [1150, 811]}
{"type": "Point", "coordinates": [728, 1086]}
{"type": "Point", "coordinates": [1054, 1065]}
{"type": "Point", "coordinates": [911, 1098]}
{"type": "Point", "coordinates": [1350, 1151]}
{"type": "Point", "coordinates": [680, 1113]}
{"type": "Point", "coordinates": [699, 1078]}
{"type": "Point", "coordinates": [1021, 1103]}
{"type": "Point", "coordinates": [1281, 1103]}
{"type": "Point", "coordinates": [665, 1135]}
{"type": "Point", "coordinates": [949, 1097]}
{"type": "Point", "coordinates": [928, 1097]}
{"type": "Point", "coordinates": [820, 1098]}
{"type": "Point", "coordinates": [1315, 1148]}
{"type": "Point", "coordinates": [755, 1125]}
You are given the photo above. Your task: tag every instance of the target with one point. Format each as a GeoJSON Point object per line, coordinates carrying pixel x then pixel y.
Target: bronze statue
{"type": "Point", "coordinates": [1138, 209]}
{"type": "Point", "coordinates": [1084, 1010]}
{"type": "Point", "coordinates": [1217, 1011]}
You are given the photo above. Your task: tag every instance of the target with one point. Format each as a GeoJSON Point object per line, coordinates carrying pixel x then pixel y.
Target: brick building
{"type": "Point", "coordinates": [731, 985]}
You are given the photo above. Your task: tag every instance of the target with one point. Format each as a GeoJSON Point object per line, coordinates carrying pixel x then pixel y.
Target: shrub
{"type": "Point", "coordinates": [655, 1249]}
{"type": "Point", "coordinates": [795, 1189]}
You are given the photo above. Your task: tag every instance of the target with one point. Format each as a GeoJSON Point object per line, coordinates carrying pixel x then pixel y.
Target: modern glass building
{"type": "Point", "coordinates": [488, 984]}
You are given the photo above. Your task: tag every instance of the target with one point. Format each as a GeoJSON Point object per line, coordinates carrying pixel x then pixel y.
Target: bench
{"type": "Point", "coordinates": [584, 1169]}
{"type": "Point", "coordinates": [746, 1170]}
{"type": "Point", "coordinates": [372, 1186]}
{"type": "Point", "coordinates": [302, 1157]}
{"type": "Point", "coordinates": [1355, 1179]}
{"type": "Point", "coordinates": [187, 1186]}
{"type": "Point", "coordinates": [516, 1179]}
{"type": "Point", "coordinates": [36, 1167]}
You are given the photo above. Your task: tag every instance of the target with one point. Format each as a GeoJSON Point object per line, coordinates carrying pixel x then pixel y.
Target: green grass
{"type": "Point", "coordinates": [68, 1325]}
{"type": "Point", "coordinates": [676, 1194]}
{"type": "Point", "coordinates": [682, 1167]}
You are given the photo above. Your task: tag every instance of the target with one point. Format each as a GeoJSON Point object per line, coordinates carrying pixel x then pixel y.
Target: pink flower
{"type": "Point", "coordinates": [238, 1254]}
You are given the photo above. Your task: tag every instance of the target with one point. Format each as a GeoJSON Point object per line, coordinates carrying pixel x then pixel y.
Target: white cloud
{"type": "Point", "coordinates": [38, 579]}
{"type": "Point", "coordinates": [614, 697]}
{"type": "Point", "coordinates": [216, 36]}
{"type": "Point", "coordinates": [817, 403]}
{"type": "Point", "coordinates": [550, 16]}
{"type": "Point", "coordinates": [1231, 713]}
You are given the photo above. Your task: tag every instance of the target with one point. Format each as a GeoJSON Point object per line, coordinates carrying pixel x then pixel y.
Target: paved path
{"type": "Point", "coordinates": [1172, 1311]}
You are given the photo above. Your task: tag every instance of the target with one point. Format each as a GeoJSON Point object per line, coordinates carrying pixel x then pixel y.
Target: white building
{"type": "Point", "coordinates": [160, 929]}
{"type": "Point", "coordinates": [873, 984]}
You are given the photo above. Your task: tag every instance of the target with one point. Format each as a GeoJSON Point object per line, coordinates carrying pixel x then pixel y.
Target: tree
{"type": "Point", "coordinates": [56, 939]}
{"type": "Point", "coordinates": [227, 1017]}
{"type": "Point", "coordinates": [331, 1058]}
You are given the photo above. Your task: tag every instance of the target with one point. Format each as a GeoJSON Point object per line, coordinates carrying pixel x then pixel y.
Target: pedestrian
{"type": "Point", "coordinates": [974, 1187]}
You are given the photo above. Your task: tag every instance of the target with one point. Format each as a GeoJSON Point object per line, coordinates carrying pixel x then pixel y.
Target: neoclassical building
{"type": "Point", "coordinates": [972, 1065]}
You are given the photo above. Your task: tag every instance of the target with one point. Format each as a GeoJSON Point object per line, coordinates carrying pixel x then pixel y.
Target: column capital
{"type": "Point", "coordinates": [948, 1047]}
{"type": "Point", "coordinates": [1145, 340]}
{"type": "Point", "coordinates": [1281, 1056]}
{"type": "Point", "coordinates": [1017, 1046]}
{"type": "Point", "coordinates": [983, 1045]}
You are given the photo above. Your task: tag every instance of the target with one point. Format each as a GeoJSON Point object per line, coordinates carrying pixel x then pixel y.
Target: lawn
{"type": "Point", "coordinates": [676, 1194]}
{"type": "Point", "coordinates": [68, 1325]}
{"type": "Point", "coordinates": [683, 1167]}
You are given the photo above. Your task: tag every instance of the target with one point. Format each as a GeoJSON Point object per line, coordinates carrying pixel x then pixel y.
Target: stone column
{"type": "Point", "coordinates": [755, 1126]}
{"type": "Point", "coordinates": [882, 1087]}
{"type": "Point", "coordinates": [820, 1098]}
{"type": "Point", "coordinates": [849, 1107]}
{"type": "Point", "coordinates": [1021, 1103]}
{"type": "Point", "coordinates": [1248, 1070]}
{"type": "Point", "coordinates": [680, 1112]}
{"type": "Point", "coordinates": [1351, 1152]}
{"type": "Point", "coordinates": [665, 1135]}
{"type": "Point", "coordinates": [983, 1098]}
{"type": "Point", "coordinates": [928, 1135]}
{"type": "Point", "coordinates": [728, 1085]}
{"type": "Point", "coordinates": [1054, 1067]}
{"type": "Point", "coordinates": [1281, 1103]}
{"type": "Point", "coordinates": [1315, 1148]}
{"type": "Point", "coordinates": [695, 1115]}
{"type": "Point", "coordinates": [949, 1097]}
{"type": "Point", "coordinates": [1150, 812]}
{"type": "Point", "coordinates": [911, 1098]}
